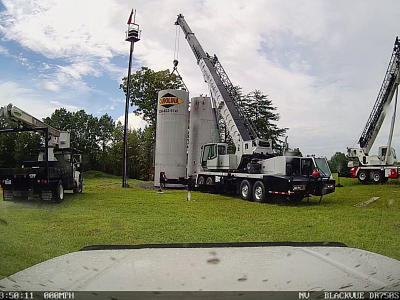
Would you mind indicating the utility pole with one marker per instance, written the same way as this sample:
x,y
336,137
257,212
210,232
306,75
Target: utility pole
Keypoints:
x,y
132,36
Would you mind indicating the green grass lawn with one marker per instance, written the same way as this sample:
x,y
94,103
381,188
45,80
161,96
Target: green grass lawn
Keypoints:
x,y
32,232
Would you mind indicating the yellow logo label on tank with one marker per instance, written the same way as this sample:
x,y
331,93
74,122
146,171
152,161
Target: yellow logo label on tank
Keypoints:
x,y
169,100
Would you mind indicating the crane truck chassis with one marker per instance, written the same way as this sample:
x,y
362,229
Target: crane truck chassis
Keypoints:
x,y
58,167
291,177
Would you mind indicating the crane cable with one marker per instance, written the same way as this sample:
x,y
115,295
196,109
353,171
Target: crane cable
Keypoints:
x,y
176,55
176,49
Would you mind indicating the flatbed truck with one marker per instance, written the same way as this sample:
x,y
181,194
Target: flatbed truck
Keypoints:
x,y
57,168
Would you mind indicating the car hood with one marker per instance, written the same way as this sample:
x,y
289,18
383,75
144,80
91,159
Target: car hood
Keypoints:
x,y
211,268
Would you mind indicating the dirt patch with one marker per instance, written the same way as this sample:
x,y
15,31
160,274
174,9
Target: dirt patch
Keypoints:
x,y
146,186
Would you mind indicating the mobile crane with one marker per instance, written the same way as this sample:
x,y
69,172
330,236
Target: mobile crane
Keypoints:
x,y
57,168
254,171
378,168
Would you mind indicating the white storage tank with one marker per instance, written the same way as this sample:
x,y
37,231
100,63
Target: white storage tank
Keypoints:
x,y
171,135
202,130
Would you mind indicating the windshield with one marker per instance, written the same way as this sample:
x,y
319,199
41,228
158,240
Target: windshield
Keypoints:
x,y
221,149
323,166
297,166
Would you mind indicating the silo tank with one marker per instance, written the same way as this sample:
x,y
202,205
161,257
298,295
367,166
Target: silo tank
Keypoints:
x,y
171,135
202,130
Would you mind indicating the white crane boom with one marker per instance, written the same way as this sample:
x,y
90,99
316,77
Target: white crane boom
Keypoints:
x,y
238,125
13,114
385,96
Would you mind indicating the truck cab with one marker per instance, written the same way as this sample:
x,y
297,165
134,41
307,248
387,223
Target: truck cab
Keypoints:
x,y
214,156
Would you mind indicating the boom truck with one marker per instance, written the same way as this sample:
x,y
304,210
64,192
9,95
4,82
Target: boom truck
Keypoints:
x,y
254,171
378,168
57,168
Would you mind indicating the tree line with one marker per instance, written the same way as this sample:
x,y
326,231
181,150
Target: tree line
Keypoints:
x,y
100,139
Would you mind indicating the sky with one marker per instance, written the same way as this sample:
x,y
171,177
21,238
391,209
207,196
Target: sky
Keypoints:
x,y
321,62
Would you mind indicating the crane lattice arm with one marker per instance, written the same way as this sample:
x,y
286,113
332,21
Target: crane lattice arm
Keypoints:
x,y
385,96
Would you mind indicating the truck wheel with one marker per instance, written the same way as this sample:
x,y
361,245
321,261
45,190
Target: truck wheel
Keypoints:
x,y
59,193
7,195
79,189
210,180
376,176
297,198
362,176
245,190
19,195
201,180
259,192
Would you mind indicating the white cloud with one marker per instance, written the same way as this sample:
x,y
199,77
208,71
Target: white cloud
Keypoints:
x,y
66,106
80,32
4,51
134,121
62,28
29,100
48,85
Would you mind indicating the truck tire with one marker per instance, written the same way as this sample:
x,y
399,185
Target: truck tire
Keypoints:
x,y
7,195
245,190
58,194
79,189
362,176
19,195
377,176
297,198
259,192
201,180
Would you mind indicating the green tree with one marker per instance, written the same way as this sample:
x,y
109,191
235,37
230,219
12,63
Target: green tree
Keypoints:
x,y
259,109
27,146
17,147
61,119
144,87
105,126
7,146
113,163
89,134
338,162
146,152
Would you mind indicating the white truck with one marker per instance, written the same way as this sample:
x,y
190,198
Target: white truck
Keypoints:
x,y
57,168
378,168
254,171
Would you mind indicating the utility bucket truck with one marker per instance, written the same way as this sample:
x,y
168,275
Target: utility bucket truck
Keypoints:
x,y
56,169
254,171
378,168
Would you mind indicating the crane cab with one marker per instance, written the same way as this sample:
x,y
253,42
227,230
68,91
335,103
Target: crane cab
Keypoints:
x,y
382,152
214,156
